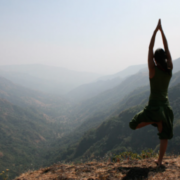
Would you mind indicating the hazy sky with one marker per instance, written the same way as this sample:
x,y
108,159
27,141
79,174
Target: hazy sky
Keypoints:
x,y
103,36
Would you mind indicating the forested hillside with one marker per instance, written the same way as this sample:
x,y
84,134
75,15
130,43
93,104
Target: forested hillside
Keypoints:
x,y
25,135
114,134
29,121
39,129
105,100
54,106
113,98
105,104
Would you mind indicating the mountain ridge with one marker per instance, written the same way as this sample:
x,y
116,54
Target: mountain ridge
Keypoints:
x,y
45,78
138,97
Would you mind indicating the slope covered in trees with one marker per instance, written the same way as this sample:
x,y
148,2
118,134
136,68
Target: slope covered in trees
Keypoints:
x,y
38,128
25,135
114,134
54,106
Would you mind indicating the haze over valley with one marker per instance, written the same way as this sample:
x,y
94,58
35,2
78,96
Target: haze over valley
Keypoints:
x,y
72,76
39,127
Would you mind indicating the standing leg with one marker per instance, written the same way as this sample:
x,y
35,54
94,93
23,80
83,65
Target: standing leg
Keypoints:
x,y
163,146
162,150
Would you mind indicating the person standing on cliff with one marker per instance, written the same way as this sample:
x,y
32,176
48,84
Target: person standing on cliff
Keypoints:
x,y
158,111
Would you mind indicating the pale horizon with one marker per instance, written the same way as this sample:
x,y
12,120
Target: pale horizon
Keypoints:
x,y
99,36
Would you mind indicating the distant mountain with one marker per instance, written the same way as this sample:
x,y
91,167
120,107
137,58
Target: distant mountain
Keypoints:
x,y
46,78
24,97
126,72
176,65
141,67
105,100
87,91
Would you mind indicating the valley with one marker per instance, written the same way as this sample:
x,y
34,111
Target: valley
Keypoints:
x,y
40,127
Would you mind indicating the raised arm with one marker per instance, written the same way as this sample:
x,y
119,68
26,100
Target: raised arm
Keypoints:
x,y
169,59
151,64
150,53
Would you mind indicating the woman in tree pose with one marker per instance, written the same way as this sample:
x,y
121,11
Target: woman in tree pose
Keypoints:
x,y
158,111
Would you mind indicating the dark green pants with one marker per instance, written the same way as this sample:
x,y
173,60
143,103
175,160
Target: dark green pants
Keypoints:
x,y
156,111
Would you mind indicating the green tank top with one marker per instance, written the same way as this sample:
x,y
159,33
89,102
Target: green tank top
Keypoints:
x,y
159,84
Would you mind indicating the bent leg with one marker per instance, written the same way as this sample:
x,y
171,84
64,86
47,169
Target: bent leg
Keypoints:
x,y
144,118
159,125
142,124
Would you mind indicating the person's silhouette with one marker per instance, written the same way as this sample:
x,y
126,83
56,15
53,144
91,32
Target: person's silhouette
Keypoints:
x,y
158,111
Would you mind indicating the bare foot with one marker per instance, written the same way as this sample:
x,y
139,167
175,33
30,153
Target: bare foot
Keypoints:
x,y
158,163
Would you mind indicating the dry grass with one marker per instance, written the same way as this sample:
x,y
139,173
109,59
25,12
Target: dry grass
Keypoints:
x,y
126,170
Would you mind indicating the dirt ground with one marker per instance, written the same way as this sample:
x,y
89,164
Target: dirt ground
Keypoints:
x,y
126,170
